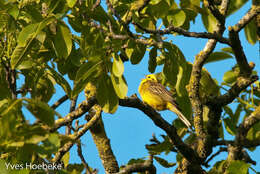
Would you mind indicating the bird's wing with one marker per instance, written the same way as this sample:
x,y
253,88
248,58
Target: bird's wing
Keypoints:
x,y
159,89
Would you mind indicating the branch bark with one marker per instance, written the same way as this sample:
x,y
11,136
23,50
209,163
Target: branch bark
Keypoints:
x,y
84,107
59,102
102,142
140,167
171,131
74,137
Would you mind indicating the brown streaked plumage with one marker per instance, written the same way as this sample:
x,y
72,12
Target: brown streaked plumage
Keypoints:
x,y
158,97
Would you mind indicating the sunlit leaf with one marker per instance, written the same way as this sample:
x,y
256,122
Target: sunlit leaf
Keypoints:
x,y
164,162
235,167
63,41
235,5
60,80
209,21
251,32
176,17
118,66
41,110
230,126
230,77
71,3
218,56
120,86
106,95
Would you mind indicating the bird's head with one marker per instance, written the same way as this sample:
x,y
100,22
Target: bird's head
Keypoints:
x,y
150,77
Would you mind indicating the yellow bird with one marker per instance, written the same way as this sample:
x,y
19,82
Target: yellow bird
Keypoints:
x,y
158,97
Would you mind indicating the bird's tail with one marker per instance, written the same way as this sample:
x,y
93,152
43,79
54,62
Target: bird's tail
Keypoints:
x,y
175,109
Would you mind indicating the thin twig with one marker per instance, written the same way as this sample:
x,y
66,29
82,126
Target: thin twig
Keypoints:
x,y
171,131
59,102
186,33
64,149
79,150
72,108
254,11
84,107
221,149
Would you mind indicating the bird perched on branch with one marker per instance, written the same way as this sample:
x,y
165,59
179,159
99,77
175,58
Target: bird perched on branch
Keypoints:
x,y
158,97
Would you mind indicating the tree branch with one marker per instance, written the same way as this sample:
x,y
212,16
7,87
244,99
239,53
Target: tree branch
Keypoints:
x,y
59,102
241,84
79,151
253,12
139,167
204,143
72,108
171,131
221,149
186,33
65,148
224,7
245,69
213,9
84,107
102,142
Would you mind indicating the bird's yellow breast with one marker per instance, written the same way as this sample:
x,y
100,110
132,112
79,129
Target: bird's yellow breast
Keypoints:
x,y
155,101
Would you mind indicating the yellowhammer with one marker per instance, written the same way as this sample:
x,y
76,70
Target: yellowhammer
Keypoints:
x,y
158,97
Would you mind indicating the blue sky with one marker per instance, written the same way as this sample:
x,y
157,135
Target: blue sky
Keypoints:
x,y
129,129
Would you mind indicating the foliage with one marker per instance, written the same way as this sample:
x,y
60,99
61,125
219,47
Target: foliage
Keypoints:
x,y
52,43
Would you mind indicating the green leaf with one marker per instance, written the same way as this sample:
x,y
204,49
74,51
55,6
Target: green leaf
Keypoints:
x,y
27,64
254,132
75,168
71,3
164,162
235,5
218,56
85,73
65,159
14,11
176,17
160,147
63,41
136,161
120,86
218,168
26,34
230,126
41,110
159,10
12,106
229,111
87,69
251,32
155,2
230,77
209,21
106,95
118,66
152,60
19,54
236,167
3,168
60,80
228,49
25,41
135,52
